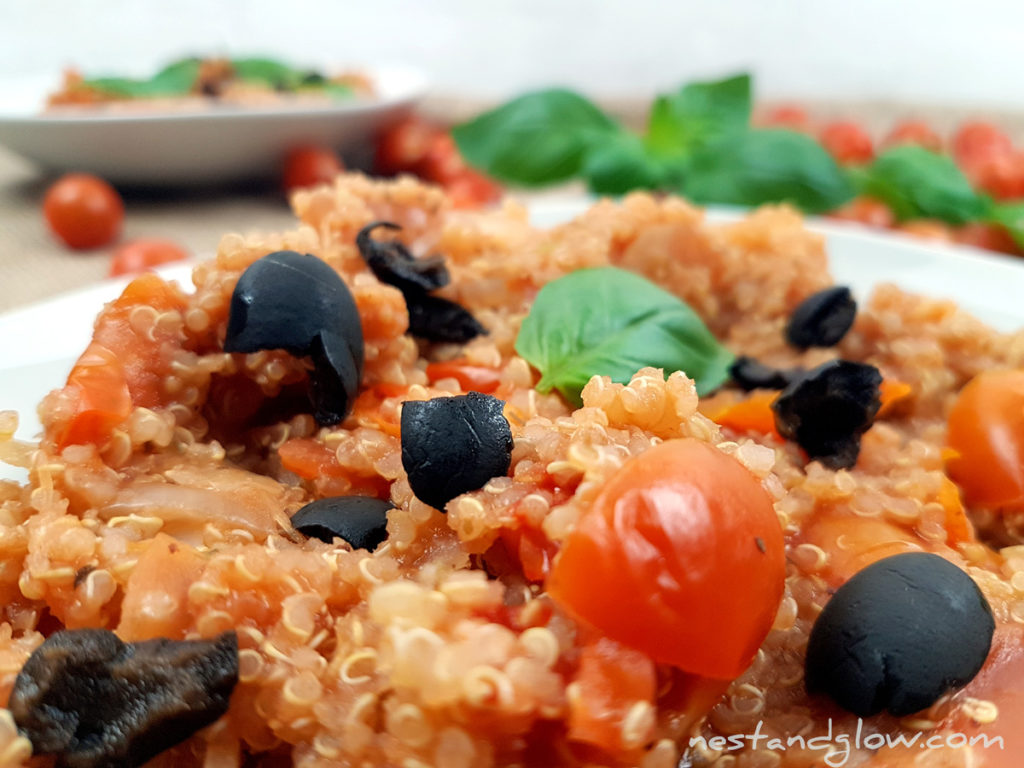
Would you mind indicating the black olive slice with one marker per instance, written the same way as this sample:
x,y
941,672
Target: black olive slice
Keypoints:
x,y
362,521
392,263
334,381
452,445
283,300
748,373
826,410
436,319
94,701
898,635
822,319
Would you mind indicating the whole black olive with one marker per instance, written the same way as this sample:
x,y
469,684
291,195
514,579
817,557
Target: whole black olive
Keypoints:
x,y
898,635
749,373
452,445
298,303
392,263
822,319
94,701
283,300
827,410
362,521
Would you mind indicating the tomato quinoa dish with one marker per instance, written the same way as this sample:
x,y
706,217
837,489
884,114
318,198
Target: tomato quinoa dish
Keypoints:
x,y
413,486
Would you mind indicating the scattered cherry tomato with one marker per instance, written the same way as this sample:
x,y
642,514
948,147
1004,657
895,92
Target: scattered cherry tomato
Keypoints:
x,y
680,557
310,165
442,162
986,430
471,189
977,141
1002,175
140,255
83,211
847,142
866,210
786,116
913,132
403,146
928,229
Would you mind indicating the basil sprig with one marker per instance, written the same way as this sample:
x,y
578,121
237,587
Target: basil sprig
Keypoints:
x,y
698,142
176,79
606,321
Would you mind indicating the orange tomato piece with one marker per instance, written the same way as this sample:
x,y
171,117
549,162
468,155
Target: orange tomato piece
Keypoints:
x,y
680,557
986,432
610,680
472,378
309,459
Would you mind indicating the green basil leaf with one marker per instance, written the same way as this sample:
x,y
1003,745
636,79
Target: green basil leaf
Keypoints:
x,y
620,164
335,90
767,166
176,79
268,72
606,321
698,113
1010,216
538,138
918,183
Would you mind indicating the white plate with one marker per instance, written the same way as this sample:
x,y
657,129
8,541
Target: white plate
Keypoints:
x,y
39,344
197,146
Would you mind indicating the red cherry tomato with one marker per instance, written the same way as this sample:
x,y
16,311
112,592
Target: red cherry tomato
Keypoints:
x,y
681,557
986,430
471,189
310,165
787,116
83,211
976,141
991,237
1002,175
401,148
140,255
847,142
913,132
866,210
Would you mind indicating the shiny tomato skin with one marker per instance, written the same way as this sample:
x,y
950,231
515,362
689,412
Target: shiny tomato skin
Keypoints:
x,y
847,142
309,166
680,557
403,146
140,255
986,430
83,211
913,132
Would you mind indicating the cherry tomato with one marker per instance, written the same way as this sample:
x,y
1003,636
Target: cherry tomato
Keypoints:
x,y
401,148
913,132
986,430
1002,176
83,211
928,229
310,165
976,141
787,116
847,142
140,255
680,557
866,210
471,189
472,378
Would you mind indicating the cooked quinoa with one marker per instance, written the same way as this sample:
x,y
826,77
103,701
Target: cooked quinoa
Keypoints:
x,y
442,647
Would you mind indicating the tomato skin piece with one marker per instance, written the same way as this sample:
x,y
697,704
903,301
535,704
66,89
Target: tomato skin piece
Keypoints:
x,y
140,255
681,557
310,165
83,211
986,431
472,378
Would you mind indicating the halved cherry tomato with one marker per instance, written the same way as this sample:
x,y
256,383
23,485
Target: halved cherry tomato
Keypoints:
x,y
986,431
847,142
680,557
471,189
140,255
83,211
866,210
309,166
976,141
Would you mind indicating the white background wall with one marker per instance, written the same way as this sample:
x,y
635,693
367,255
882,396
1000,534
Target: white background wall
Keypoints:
x,y
933,51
